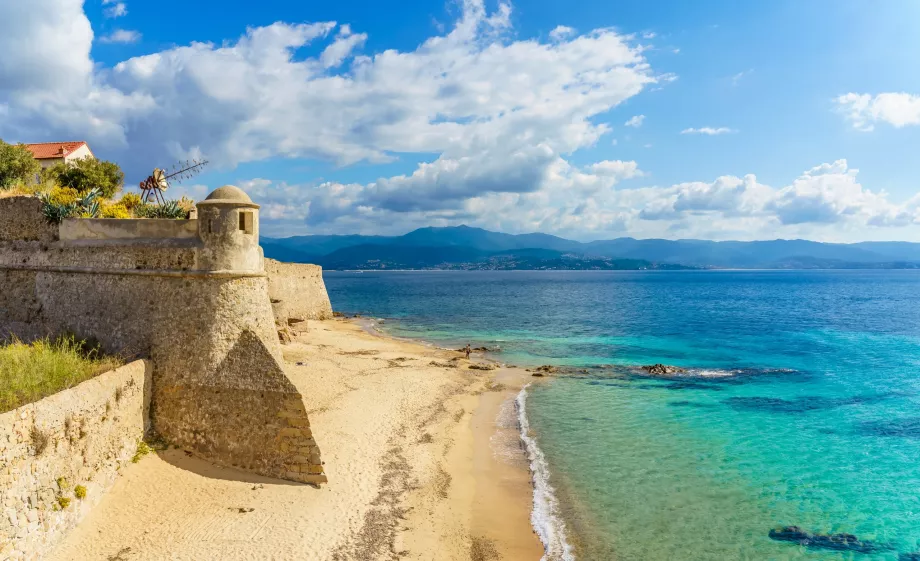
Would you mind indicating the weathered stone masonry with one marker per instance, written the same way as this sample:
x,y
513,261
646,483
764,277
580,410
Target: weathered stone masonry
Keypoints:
x,y
193,296
60,455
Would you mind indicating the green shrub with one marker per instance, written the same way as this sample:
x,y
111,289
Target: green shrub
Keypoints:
x,y
63,502
59,204
17,165
169,209
108,209
131,200
79,492
86,174
186,204
29,372
63,195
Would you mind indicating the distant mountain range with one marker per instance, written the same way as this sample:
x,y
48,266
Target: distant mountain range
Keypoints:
x,y
463,247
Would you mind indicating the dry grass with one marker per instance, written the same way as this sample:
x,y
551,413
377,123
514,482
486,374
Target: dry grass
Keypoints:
x,y
29,372
26,189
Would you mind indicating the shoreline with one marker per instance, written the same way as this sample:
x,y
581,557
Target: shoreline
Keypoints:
x,y
422,459
500,428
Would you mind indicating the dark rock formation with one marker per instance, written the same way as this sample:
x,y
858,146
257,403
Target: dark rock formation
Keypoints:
x,y
442,364
837,542
482,366
663,370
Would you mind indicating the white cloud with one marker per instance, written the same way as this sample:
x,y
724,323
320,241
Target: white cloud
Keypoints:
x,y
825,195
635,121
121,36
561,32
502,117
825,203
470,96
649,35
737,77
51,40
344,44
709,131
896,109
116,10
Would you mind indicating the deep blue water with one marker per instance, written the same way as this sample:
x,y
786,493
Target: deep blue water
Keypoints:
x,y
800,408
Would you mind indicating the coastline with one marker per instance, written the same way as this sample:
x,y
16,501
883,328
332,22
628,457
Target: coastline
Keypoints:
x,y
421,459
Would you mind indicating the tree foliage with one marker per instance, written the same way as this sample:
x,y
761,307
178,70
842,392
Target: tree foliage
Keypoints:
x,y
86,174
17,165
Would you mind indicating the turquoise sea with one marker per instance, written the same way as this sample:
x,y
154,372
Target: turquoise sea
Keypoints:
x,y
801,405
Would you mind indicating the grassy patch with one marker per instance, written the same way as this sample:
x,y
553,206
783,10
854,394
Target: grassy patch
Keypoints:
x,y
142,450
29,372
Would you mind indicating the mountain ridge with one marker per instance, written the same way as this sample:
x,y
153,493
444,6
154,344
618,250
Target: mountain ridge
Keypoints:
x,y
476,248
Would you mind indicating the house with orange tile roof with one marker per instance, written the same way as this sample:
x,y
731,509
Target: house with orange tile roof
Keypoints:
x,y
50,153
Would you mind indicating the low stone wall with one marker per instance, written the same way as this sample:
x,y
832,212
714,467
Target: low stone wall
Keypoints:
x,y
127,229
81,437
297,291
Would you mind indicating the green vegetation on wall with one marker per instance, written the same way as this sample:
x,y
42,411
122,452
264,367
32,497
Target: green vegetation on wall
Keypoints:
x,y
17,166
87,174
84,188
29,372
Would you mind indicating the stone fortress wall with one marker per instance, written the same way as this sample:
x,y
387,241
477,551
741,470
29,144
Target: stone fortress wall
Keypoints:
x,y
193,296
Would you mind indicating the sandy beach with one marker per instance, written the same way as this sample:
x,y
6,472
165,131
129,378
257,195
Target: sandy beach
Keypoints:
x,y
422,455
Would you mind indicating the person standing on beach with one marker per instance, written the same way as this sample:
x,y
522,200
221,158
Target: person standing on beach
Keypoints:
x,y
467,350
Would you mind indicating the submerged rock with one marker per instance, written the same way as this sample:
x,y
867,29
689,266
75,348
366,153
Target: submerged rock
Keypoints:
x,y
837,542
663,370
541,371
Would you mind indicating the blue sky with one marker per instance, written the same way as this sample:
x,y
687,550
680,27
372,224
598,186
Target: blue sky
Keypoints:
x,y
378,117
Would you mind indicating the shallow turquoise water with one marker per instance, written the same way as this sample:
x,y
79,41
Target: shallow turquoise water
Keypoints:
x,y
802,407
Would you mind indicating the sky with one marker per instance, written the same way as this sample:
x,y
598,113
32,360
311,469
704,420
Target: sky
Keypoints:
x,y
586,119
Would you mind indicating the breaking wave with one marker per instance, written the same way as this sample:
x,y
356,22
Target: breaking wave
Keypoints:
x,y
545,517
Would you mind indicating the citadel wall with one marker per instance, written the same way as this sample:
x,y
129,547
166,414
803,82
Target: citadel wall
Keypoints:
x,y
297,292
197,305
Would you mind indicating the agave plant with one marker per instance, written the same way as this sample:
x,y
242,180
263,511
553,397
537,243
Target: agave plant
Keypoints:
x,y
171,209
55,212
86,206
90,204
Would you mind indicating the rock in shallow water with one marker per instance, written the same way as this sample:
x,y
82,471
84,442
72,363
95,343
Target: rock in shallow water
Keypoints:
x,y
663,369
837,542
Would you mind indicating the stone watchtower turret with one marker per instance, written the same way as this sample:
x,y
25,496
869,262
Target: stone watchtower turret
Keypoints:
x,y
228,226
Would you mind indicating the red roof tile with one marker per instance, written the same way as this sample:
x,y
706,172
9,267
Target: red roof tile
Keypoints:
x,y
46,150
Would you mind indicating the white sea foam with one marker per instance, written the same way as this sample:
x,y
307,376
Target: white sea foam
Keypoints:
x,y
715,373
545,517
